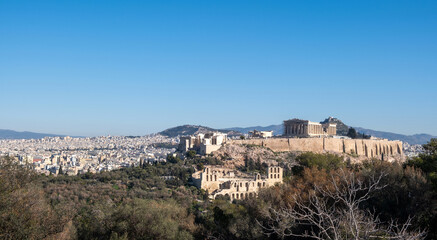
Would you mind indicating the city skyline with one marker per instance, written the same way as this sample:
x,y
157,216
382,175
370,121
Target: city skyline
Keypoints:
x,y
117,68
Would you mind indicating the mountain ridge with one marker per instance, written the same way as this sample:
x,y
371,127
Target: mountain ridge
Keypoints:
x,y
12,134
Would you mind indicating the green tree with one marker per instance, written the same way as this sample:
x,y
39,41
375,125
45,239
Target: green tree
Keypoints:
x,y
24,211
191,154
173,159
352,133
325,161
431,146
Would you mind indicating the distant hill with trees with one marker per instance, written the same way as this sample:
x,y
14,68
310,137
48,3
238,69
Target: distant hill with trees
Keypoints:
x,y
186,130
342,129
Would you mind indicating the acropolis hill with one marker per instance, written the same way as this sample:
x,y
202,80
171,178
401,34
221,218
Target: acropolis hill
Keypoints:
x,y
302,136
306,136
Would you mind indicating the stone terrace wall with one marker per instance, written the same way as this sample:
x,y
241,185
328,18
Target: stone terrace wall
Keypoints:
x,y
361,147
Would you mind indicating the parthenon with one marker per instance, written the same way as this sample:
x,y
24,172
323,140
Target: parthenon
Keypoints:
x,y
304,128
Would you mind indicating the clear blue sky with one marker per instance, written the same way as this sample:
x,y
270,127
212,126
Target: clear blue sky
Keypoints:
x,y
137,67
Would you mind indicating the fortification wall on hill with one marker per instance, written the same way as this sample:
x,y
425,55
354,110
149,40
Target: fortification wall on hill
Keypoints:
x,y
361,147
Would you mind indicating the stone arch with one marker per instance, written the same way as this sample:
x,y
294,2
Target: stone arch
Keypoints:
x,y
215,177
233,196
391,150
399,149
242,195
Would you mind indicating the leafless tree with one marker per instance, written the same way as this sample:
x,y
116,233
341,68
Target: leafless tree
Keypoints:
x,y
333,212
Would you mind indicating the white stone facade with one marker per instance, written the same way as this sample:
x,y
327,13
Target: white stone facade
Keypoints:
x,y
203,143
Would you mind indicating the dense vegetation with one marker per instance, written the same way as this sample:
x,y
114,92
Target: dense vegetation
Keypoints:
x,y
322,197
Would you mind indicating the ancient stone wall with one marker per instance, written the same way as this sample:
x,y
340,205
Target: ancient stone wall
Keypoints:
x,y
361,147
233,184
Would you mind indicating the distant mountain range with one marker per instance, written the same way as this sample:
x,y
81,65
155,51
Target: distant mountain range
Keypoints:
x,y
411,139
279,129
10,134
235,131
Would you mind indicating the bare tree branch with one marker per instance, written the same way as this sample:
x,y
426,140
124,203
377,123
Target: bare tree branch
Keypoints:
x,y
333,212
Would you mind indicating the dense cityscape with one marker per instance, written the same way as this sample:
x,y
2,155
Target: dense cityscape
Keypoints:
x,y
72,156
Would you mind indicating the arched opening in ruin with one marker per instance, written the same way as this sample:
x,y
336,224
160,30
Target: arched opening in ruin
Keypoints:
x,y
391,150
233,196
215,177
242,195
